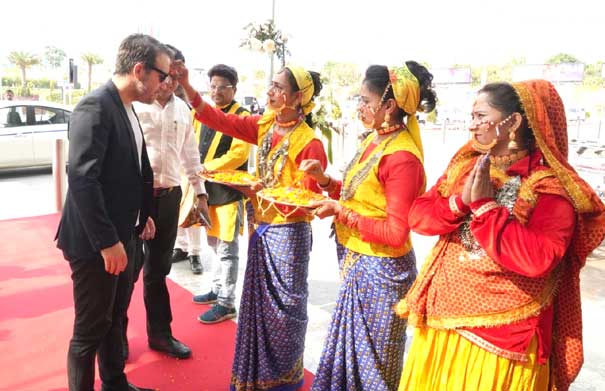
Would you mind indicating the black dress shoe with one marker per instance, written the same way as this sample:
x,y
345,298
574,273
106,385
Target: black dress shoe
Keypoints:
x,y
178,255
196,264
132,387
170,346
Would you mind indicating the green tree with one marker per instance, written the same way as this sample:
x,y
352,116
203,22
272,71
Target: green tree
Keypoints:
x,y
494,73
341,74
54,56
23,60
91,59
593,78
562,58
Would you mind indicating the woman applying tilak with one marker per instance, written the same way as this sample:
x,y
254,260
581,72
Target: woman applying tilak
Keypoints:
x,y
273,312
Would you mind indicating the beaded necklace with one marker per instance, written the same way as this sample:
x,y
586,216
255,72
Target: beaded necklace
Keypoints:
x,y
350,186
266,164
289,123
389,129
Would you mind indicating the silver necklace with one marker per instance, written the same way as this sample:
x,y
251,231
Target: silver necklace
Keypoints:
x,y
266,164
350,185
505,196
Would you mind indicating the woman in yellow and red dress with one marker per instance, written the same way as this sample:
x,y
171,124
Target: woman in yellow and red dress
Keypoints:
x,y
273,312
497,302
365,345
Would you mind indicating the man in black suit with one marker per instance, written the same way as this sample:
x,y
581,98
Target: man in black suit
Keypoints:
x,y
107,205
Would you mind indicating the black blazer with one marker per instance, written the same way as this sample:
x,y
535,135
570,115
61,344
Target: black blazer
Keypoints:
x,y
107,189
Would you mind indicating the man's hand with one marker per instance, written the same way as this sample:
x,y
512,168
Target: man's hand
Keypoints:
x,y
115,258
149,230
202,206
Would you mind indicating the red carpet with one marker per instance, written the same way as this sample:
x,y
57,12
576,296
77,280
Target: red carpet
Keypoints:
x,y
37,317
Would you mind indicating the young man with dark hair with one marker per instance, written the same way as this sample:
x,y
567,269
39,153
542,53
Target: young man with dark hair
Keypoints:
x,y
220,152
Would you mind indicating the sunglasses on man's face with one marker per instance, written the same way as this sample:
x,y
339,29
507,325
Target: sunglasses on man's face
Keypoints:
x,y
163,75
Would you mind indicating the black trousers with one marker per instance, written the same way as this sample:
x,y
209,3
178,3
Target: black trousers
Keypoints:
x,y
153,256
100,301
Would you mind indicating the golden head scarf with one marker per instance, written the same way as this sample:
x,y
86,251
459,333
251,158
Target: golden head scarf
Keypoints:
x,y
546,117
305,85
407,95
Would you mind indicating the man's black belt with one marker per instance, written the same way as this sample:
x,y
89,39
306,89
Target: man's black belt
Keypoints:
x,y
159,192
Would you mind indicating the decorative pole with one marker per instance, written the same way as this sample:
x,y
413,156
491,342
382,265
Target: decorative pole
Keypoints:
x,y
272,56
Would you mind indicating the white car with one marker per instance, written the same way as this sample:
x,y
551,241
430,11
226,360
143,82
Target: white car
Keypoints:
x,y
28,130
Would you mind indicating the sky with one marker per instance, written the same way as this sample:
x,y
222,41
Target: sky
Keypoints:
x,y
442,33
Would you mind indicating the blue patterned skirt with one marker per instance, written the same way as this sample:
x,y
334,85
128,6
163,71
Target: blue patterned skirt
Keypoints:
x,y
364,348
272,321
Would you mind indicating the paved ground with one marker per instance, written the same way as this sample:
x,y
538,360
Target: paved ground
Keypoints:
x,y
29,193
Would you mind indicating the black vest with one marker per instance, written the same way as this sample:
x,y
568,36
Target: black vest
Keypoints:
x,y
219,194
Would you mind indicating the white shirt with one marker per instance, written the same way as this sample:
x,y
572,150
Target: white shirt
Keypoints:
x,y
136,131
138,139
170,141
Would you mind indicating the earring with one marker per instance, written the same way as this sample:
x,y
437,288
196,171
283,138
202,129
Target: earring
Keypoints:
x,y
512,143
385,123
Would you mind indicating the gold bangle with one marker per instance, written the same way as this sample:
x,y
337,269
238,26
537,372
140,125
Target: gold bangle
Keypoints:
x,y
485,208
324,187
454,206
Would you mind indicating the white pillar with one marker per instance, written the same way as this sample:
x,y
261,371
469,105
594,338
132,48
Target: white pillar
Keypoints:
x,y
59,174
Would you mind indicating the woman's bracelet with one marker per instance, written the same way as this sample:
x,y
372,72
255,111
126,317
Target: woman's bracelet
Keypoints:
x,y
348,217
483,209
325,187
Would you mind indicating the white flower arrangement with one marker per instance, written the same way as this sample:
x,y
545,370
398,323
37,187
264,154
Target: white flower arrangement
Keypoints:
x,y
266,38
269,46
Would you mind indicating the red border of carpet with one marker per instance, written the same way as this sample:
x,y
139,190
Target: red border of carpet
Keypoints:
x,y
37,318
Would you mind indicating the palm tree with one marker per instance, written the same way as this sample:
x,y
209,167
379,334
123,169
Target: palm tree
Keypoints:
x,y
23,60
91,59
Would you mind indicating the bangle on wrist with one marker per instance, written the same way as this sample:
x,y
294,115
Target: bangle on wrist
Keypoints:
x,y
490,205
454,206
327,184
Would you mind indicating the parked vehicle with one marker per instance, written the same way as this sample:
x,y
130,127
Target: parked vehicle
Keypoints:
x,y
28,130
251,103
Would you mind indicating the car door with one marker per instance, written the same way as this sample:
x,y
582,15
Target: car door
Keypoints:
x,y
49,125
16,141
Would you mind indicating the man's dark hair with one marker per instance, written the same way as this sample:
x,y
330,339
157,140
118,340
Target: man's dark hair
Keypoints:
x,y
225,71
177,54
138,48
